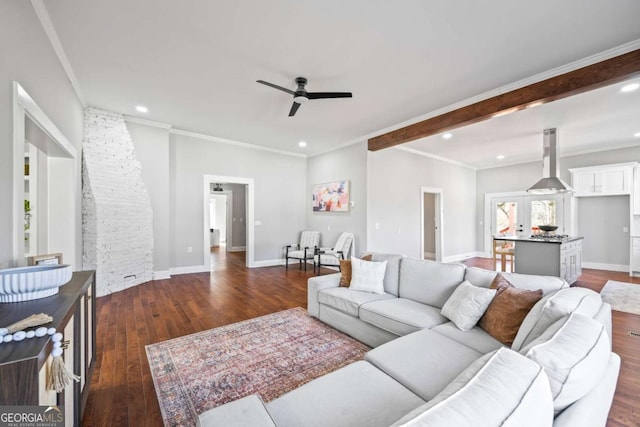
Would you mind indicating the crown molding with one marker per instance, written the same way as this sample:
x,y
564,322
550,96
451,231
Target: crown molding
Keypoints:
x,y
434,156
232,142
138,120
49,29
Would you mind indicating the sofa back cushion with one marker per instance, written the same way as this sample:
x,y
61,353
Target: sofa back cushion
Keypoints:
x,y
392,273
429,282
553,307
548,284
574,353
501,388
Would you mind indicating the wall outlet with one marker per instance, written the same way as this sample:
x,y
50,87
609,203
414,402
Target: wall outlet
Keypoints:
x,y
625,229
328,228
189,249
377,226
257,223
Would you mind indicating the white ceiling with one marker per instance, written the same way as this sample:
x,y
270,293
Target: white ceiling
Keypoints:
x,y
194,64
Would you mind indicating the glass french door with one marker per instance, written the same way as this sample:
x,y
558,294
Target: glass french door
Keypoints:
x,y
521,215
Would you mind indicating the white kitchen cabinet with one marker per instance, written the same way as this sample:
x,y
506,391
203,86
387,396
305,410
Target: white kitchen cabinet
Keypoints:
x,y
604,180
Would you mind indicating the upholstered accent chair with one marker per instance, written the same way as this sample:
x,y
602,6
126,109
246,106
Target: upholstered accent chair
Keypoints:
x,y
331,256
303,251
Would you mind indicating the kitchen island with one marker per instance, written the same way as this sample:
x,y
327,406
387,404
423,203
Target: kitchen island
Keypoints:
x,y
552,256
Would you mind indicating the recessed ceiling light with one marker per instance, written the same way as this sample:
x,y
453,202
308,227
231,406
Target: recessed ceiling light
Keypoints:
x,y
500,156
142,109
302,144
637,134
447,135
630,87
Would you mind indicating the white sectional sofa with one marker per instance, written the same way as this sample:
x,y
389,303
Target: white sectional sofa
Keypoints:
x,y
423,370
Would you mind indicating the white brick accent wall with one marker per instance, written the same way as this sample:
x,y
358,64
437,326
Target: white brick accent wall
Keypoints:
x,y
117,219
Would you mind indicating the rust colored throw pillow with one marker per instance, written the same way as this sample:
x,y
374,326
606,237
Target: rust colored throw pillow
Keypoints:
x,y
507,310
345,269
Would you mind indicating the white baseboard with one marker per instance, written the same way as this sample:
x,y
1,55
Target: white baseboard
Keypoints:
x,y
161,275
601,266
189,269
237,249
461,257
268,263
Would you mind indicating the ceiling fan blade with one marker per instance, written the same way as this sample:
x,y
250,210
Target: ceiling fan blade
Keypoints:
x,y
294,108
324,95
289,91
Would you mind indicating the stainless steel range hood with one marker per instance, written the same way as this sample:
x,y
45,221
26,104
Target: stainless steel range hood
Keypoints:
x,y
550,183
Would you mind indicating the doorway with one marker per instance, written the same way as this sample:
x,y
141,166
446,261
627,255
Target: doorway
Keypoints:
x,y
520,214
233,198
431,225
219,213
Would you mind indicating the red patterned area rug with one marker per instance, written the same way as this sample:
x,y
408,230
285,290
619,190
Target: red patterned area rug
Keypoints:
x,y
268,355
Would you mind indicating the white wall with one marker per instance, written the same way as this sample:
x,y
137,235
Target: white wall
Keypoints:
x,y
152,150
349,163
27,57
394,199
279,195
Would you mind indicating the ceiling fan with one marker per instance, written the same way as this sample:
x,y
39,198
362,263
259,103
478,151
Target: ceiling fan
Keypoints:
x,y
300,95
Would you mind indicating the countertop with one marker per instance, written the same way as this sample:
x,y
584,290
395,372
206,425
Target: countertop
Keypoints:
x,y
529,239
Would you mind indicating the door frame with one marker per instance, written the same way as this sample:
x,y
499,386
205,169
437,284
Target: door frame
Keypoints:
x,y
567,219
57,146
439,215
250,207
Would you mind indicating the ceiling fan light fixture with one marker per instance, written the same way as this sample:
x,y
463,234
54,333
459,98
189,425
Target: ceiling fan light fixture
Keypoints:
x,y
300,99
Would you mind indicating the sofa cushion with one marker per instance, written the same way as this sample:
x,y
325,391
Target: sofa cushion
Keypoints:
x,y
574,353
467,304
552,308
248,411
508,309
424,361
358,394
476,338
532,282
345,270
348,301
500,389
400,316
479,276
429,282
367,276
392,274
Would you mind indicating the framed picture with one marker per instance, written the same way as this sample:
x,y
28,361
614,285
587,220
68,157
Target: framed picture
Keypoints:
x,y
331,197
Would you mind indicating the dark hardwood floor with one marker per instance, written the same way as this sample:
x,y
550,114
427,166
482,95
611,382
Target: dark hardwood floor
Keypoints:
x,y
122,391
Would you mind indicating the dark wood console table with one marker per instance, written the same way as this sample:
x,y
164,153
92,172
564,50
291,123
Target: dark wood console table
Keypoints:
x,y
24,365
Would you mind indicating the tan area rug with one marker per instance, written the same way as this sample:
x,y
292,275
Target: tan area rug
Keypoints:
x,y
622,296
268,355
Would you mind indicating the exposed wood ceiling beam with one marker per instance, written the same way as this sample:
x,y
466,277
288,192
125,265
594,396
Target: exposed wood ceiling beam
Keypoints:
x,y
574,82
